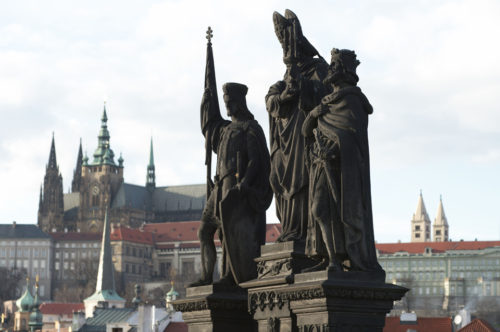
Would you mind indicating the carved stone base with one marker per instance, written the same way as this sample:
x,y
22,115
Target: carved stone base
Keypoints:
x,y
287,300
216,308
279,262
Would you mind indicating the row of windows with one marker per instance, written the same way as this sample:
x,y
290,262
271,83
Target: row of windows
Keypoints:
x,y
133,268
463,263
22,263
137,252
418,228
71,265
83,254
78,245
24,243
23,252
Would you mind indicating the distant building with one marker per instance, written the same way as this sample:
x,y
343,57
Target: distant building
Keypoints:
x,y
132,255
75,256
443,276
421,224
26,247
177,246
410,322
98,184
477,325
58,317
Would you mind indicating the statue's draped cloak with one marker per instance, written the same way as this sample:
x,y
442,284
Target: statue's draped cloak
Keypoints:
x,y
289,160
242,158
346,123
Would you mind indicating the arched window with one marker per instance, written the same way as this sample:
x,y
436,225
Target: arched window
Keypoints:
x,y
95,200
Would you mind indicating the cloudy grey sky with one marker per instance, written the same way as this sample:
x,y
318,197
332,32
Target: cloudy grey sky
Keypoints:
x,y
431,70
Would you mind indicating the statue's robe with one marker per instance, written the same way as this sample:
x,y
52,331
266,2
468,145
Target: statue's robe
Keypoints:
x,y
242,158
289,159
341,166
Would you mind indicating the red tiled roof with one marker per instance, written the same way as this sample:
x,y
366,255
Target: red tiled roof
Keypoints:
x,y
424,324
75,236
174,231
176,327
477,325
61,308
122,233
419,247
273,231
187,231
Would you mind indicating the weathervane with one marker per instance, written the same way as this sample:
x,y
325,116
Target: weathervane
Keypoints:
x,y
210,35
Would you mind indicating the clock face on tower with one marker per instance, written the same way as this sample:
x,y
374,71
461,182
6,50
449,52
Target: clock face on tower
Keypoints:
x,y
95,190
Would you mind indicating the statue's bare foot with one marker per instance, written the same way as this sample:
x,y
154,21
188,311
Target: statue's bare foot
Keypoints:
x,y
201,282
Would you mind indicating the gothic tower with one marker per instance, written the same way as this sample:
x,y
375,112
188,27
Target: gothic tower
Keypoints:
x,y
420,223
77,173
150,177
51,204
100,182
440,226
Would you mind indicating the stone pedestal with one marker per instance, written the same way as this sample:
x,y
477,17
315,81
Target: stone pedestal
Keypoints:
x,y
279,262
216,308
286,300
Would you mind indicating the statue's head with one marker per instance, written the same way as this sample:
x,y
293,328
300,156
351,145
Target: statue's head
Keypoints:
x,y
295,46
235,100
342,67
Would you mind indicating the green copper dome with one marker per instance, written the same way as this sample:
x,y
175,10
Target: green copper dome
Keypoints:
x,y
25,302
172,293
103,155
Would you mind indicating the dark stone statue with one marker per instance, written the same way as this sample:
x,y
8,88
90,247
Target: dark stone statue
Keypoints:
x,y
339,189
241,194
288,102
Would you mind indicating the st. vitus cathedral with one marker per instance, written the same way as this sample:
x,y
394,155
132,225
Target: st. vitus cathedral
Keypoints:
x,y
98,185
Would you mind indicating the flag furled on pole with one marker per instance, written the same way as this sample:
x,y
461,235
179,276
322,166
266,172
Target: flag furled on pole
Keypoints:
x,y
210,103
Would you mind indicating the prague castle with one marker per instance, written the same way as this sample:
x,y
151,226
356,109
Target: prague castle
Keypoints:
x,y
98,185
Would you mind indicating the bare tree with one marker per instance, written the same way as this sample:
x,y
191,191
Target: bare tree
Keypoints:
x,y
9,282
80,284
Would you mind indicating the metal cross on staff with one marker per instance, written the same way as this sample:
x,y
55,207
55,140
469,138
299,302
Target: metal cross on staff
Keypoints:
x,y
210,35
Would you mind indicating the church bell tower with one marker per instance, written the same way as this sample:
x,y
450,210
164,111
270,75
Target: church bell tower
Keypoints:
x,y
100,181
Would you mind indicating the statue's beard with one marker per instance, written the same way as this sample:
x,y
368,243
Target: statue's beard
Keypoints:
x,y
333,77
337,76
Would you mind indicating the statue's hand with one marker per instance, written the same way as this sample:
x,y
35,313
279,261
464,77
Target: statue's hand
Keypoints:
x,y
290,93
319,110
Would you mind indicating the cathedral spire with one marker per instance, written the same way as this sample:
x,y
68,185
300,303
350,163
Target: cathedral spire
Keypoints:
x,y
105,287
420,223
440,226
103,154
440,217
52,156
421,211
105,274
40,200
151,177
51,204
77,175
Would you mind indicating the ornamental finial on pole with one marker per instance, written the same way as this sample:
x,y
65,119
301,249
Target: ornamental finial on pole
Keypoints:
x,y
210,35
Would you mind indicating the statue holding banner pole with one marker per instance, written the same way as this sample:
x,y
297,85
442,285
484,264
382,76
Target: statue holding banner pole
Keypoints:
x,y
240,193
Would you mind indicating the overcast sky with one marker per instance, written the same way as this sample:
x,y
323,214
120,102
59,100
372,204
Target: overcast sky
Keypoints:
x,y
431,70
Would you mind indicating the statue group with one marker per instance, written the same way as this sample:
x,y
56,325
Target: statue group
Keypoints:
x,y
317,165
